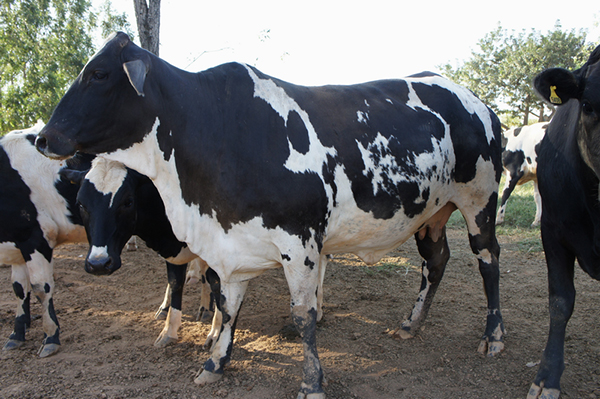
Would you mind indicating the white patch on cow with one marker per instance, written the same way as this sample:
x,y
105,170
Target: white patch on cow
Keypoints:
x,y
283,104
389,101
468,100
98,252
107,177
362,117
40,174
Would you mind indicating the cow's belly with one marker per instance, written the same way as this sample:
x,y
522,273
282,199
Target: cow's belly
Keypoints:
x,y
369,238
10,254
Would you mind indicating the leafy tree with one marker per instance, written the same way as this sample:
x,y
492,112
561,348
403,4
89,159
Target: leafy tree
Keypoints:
x,y
113,22
502,70
43,46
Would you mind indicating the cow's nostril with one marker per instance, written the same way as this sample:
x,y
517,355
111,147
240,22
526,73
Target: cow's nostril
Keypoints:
x,y
41,143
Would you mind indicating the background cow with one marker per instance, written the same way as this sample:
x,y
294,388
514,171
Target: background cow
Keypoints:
x,y
519,160
256,173
116,203
568,176
37,213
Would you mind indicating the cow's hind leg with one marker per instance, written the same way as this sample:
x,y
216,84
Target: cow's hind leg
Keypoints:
x,y
436,255
482,237
229,303
22,289
176,277
42,285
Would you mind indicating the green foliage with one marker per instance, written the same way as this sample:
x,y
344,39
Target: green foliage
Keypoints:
x,y
502,70
113,22
43,46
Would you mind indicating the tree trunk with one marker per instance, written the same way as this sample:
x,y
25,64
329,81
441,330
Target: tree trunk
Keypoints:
x,y
526,117
147,16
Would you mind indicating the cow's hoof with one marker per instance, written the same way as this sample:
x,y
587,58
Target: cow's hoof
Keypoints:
x,y
161,314
490,348
302,395
537,392
48,350
163,341
12,344
206,377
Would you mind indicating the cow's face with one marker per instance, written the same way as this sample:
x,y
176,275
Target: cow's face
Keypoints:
x,y
108,211
96,114
558,86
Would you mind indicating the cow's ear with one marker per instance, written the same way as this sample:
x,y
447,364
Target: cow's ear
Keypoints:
x,y
136,71
72,175
557,85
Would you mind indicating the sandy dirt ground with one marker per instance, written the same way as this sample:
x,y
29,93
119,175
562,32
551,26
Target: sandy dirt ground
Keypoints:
x,y
108,329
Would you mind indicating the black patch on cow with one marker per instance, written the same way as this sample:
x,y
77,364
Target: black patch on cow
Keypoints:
x,y
529,160
46,288
286,257
309,263
18,290
297,133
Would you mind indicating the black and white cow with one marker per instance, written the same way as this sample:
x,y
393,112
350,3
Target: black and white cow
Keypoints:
x,y
37,213
256,173
116,203
568,176
519,160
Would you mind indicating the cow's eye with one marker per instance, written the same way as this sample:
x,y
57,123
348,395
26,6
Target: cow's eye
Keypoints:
x,y
587,108
128,203
99,75
82,210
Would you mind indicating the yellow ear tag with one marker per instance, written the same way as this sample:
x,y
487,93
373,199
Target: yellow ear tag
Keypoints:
x,y
554,99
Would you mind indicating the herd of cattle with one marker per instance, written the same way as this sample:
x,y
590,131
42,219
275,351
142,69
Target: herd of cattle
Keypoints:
x,y
236,172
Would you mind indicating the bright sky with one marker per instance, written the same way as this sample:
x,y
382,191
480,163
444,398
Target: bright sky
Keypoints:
x,y
314,42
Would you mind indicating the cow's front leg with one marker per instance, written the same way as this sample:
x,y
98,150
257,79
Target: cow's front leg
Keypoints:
x,y
42,286
436,255
304,281
229,303
22,289
176,278
561,289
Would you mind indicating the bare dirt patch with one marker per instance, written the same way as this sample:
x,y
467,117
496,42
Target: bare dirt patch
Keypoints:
x,y
108,330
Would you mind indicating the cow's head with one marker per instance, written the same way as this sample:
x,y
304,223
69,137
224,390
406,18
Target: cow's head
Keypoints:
x,y
102,110
107,203
557,86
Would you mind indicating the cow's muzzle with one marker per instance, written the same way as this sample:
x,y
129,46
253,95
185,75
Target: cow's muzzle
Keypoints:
x,y
54,145
101,266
